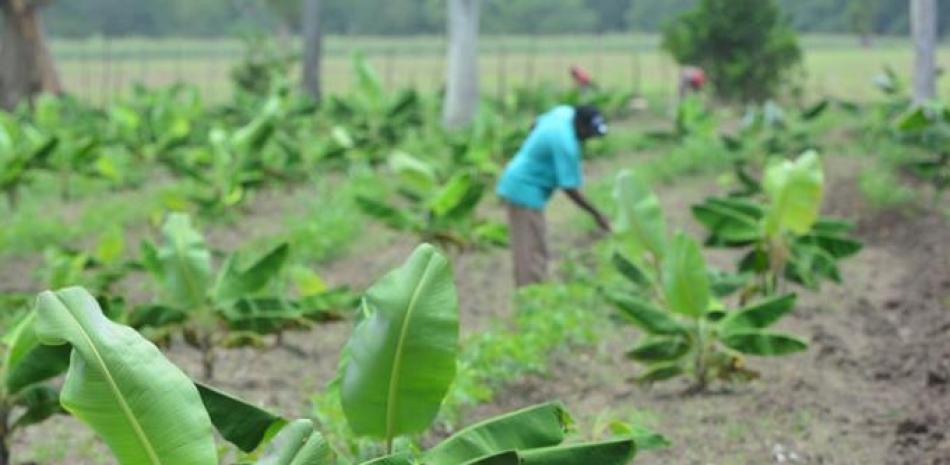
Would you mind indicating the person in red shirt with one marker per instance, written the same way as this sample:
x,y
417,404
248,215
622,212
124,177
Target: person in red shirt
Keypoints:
x,y
692,80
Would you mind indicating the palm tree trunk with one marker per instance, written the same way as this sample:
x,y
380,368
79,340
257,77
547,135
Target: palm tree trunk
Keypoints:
x,y
461,92
313,48
923,25
26,66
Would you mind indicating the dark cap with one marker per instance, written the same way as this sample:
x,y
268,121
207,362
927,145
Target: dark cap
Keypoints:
x,y
590,118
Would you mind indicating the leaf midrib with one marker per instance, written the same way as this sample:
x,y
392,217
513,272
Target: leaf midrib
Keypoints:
x,y
124,406
397,360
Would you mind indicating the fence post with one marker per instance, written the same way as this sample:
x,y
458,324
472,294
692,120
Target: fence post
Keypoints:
x,y
502,70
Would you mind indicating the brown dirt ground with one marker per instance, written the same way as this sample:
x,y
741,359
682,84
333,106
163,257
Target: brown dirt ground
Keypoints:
x,y
873,389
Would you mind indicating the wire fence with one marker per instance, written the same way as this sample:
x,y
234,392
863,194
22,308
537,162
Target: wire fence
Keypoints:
x,y
102,69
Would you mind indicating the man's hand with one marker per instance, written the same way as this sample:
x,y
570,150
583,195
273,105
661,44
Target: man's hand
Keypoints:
x,y
581,201
603,222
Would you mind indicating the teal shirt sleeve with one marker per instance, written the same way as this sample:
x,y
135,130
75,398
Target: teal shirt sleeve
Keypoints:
x,y
567,161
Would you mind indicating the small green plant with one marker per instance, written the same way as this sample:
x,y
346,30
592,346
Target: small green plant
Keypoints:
x,y
928,127
23,150
673,301
231,307
785,236
437,208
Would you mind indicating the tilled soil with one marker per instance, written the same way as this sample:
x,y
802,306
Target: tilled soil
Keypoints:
x,y
874,388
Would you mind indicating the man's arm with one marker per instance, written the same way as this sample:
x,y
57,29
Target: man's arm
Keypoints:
x,y
581,201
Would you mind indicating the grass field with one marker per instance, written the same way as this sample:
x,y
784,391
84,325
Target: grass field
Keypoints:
x,y
99,69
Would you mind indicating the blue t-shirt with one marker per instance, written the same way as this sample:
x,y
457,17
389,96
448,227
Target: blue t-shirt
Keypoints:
x,y
549,159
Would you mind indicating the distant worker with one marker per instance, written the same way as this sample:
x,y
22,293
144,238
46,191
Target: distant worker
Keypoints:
x,y
548,160
581,79
692,81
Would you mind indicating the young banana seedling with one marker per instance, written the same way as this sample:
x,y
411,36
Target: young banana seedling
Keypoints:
x,y
235,306
688,330
438,209
784,236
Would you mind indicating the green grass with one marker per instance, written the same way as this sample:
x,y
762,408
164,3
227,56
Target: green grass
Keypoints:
x,y
98,69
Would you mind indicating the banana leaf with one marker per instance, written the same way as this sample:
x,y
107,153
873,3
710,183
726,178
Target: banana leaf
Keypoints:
x,y
144,408
402,355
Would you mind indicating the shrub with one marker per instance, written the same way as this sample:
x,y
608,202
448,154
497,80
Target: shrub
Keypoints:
x,y
745,46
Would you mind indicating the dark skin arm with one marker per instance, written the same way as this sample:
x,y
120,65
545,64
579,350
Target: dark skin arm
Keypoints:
x,y
581,201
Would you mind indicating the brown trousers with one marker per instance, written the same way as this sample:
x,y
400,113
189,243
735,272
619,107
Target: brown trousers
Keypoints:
x,y
529,247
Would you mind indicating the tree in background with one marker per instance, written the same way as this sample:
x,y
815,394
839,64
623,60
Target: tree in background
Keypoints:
x,y
923,24
746,47
312,48
861,14
26,66
461,90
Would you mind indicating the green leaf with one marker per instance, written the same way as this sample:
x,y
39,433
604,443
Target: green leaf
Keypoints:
x,y
660,372
40,402
236,281
724,284
536,426
298,444
402,355
262,315
143,406
639,217
660,349
646,315
185,263
239,422
154,316
612,452
401,458
27,362
763,343
417,175
504,458
391,216
629,270
795,191
728,221
686,284
758,315
458,197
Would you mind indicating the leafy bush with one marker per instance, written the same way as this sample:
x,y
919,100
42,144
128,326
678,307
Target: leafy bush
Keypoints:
x,y
746,46
674,300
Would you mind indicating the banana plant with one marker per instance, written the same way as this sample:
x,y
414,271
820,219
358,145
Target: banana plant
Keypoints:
x,y
670,297
230,307
143,407
401,359
369,121
100,269
26,395
398,365
24,149
785,237
436,208
928,127
76,129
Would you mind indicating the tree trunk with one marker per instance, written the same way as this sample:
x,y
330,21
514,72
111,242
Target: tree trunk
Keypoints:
x,y
313,48
26,66
461,93
923,23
